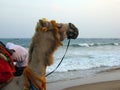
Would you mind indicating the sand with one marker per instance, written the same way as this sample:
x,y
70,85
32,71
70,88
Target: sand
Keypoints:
x,y
111,85
108,80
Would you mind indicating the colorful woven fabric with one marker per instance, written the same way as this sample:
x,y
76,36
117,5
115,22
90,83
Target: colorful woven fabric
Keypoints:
x,y
6,66
32,80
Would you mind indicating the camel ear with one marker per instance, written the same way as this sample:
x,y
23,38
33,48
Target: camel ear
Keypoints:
x,y
42,23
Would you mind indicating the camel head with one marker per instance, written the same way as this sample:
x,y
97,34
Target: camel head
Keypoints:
x,y
63,30
49,36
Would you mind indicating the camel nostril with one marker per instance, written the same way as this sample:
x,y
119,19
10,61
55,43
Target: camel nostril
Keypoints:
x,y
73,31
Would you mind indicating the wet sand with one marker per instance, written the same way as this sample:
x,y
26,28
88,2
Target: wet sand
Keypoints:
x,y
108,80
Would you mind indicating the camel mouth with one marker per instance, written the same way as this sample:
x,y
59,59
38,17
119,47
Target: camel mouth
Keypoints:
x,y
73,31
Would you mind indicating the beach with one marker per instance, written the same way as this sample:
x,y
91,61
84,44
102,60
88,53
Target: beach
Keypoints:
x,y
105,80
90,64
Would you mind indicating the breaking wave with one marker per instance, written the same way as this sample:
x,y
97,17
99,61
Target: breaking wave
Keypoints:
x,y
94,44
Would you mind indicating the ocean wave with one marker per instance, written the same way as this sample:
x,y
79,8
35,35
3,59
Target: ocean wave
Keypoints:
x,y
102,68
94,44
110,69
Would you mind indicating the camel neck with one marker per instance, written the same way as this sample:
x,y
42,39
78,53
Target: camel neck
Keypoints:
x,y
38,66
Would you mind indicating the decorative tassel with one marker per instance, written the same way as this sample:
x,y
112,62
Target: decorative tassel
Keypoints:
x,y
44,19
44,29
56,31
34,78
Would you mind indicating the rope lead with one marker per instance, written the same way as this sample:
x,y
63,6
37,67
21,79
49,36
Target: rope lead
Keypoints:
x,y
60,61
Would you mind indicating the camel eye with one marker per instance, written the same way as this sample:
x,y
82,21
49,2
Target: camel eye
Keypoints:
x,y
59,26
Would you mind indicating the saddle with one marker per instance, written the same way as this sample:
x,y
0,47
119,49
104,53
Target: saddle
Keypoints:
x,y
6,66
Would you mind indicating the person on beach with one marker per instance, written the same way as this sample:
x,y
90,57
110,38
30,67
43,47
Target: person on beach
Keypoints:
x,y
20,56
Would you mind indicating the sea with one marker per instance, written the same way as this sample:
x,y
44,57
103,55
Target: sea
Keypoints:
x,y
85,57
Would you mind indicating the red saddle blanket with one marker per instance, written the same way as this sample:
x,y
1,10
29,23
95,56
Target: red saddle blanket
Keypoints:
x,y
6,72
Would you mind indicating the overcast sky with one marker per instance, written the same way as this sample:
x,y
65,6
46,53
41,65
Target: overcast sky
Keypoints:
x,y
94,18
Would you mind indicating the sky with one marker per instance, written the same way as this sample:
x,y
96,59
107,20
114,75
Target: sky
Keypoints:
x,y
93,18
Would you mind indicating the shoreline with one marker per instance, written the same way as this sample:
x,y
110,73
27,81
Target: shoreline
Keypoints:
x,y
103,79
109,85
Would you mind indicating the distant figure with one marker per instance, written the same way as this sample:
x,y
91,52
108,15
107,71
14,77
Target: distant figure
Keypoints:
x,y
20,56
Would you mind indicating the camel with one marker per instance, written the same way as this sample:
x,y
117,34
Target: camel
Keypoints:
x,y
47,38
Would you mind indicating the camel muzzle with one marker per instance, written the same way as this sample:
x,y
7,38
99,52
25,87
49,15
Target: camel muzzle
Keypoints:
x,y
73,32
